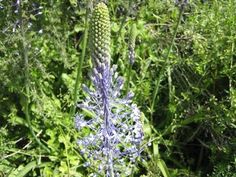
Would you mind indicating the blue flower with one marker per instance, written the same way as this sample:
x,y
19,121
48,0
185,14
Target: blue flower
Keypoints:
x,y
110,126
113,123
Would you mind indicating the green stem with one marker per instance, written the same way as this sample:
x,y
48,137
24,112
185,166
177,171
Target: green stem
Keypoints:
x,y
166,63
122,25
124,19
80,64
66,151
231,79
131,54
128,78
27,81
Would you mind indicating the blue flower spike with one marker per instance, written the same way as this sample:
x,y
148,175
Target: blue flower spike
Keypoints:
x,y
110,124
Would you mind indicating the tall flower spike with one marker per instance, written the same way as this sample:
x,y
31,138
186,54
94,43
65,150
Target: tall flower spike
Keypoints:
x,y
100,35
111,123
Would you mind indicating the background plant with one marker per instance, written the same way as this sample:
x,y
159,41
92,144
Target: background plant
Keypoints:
x,y
193,135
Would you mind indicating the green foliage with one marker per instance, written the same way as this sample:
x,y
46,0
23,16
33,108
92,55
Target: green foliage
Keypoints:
x,y
192,128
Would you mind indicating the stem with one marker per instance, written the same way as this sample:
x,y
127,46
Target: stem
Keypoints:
x,y
107,122
231,80
80,64
104,83
122,25
166,63
27,81
110,170
128,77
131,53
66,149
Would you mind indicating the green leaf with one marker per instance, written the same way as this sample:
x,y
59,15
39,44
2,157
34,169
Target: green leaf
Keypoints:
x,y
73,3
160,163
32,17
162,166
78,28
22,171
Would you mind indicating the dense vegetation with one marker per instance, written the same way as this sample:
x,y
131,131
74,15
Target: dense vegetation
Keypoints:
x,y
183,78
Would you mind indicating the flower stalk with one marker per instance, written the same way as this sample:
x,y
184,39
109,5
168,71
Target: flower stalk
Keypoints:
x,y
27,76
113,123
80,64
166,66
131,53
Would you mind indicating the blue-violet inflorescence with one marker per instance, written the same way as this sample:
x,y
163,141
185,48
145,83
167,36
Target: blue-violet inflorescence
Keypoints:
x,y
110,126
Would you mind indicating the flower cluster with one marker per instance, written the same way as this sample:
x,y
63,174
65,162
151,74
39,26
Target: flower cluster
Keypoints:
x,y
100,35
114,130
110,122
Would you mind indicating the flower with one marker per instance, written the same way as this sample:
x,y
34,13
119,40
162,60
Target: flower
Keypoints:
x,y
110,125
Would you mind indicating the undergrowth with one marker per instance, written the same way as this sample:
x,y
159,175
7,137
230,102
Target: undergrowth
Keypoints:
x,y
183,78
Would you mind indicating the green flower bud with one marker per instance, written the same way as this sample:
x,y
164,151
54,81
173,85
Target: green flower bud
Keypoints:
x,y
100,34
